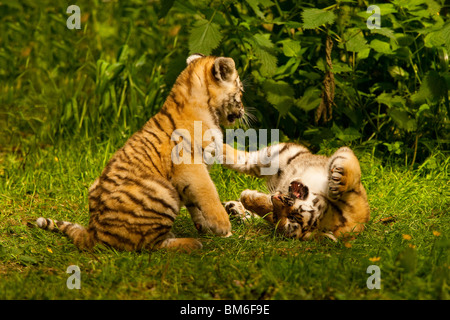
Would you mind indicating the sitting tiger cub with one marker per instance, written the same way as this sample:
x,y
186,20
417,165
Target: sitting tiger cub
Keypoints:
x,y
134,202
312,195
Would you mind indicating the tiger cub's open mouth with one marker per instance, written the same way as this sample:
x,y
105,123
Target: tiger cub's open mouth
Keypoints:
x,y
233,116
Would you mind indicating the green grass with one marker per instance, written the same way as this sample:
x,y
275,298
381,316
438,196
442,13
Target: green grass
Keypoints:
x,y
255,263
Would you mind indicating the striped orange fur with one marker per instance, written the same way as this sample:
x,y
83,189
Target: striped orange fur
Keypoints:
x,y
136,199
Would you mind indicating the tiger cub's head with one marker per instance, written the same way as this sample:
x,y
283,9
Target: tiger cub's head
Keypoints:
x,y
297,213
218,79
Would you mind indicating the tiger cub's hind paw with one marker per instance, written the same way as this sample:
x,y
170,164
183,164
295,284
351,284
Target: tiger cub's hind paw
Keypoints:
x,y
337,183
236,210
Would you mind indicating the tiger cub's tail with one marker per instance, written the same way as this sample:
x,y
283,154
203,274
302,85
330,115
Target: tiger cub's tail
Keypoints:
x,y
80,236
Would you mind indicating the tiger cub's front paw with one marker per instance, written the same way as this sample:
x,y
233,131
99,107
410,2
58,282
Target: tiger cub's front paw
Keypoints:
x,y
235,209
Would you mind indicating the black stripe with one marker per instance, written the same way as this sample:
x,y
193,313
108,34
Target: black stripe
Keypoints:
x,y
119,177
125,154
131,197
169,116
151,160
339,211
120,168
255,171
174,194
143,206
354,191
157,241
147,143
189,85
295,156
108,179
68,227
106,209
192,205
118,199
148,195
311,218
109,165
345,203
154,135
159,126
92,190
117,222
285,147
98,196
163,214
116,236
179,105
142,163
279,173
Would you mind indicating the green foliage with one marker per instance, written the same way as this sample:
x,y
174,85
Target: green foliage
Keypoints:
x,y
205,36
392,83
105,80
315,18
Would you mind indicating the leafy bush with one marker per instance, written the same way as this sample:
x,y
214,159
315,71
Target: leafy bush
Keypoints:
x,y
390,84
314,70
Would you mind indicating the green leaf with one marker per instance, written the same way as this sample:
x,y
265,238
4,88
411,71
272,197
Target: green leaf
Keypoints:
x,y
262,47
438,38
280,94
433,88
255,4
381,46
403,119
291,48
288,68
113,70
310,100
339,67
390,100
398,73
434,39
354,41
424,111
404,40
123,53
314,18
346,135
385,32
385,9
263,40
204,37
395,147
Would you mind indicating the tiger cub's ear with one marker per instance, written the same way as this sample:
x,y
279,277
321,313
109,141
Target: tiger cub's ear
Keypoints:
x,y
194,57
224,69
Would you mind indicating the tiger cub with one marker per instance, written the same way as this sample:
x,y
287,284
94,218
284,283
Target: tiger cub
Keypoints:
x,y
134,202
311,195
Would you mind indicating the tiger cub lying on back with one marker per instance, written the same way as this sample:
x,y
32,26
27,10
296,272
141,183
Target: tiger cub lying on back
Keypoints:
x,y
134,202
311,195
